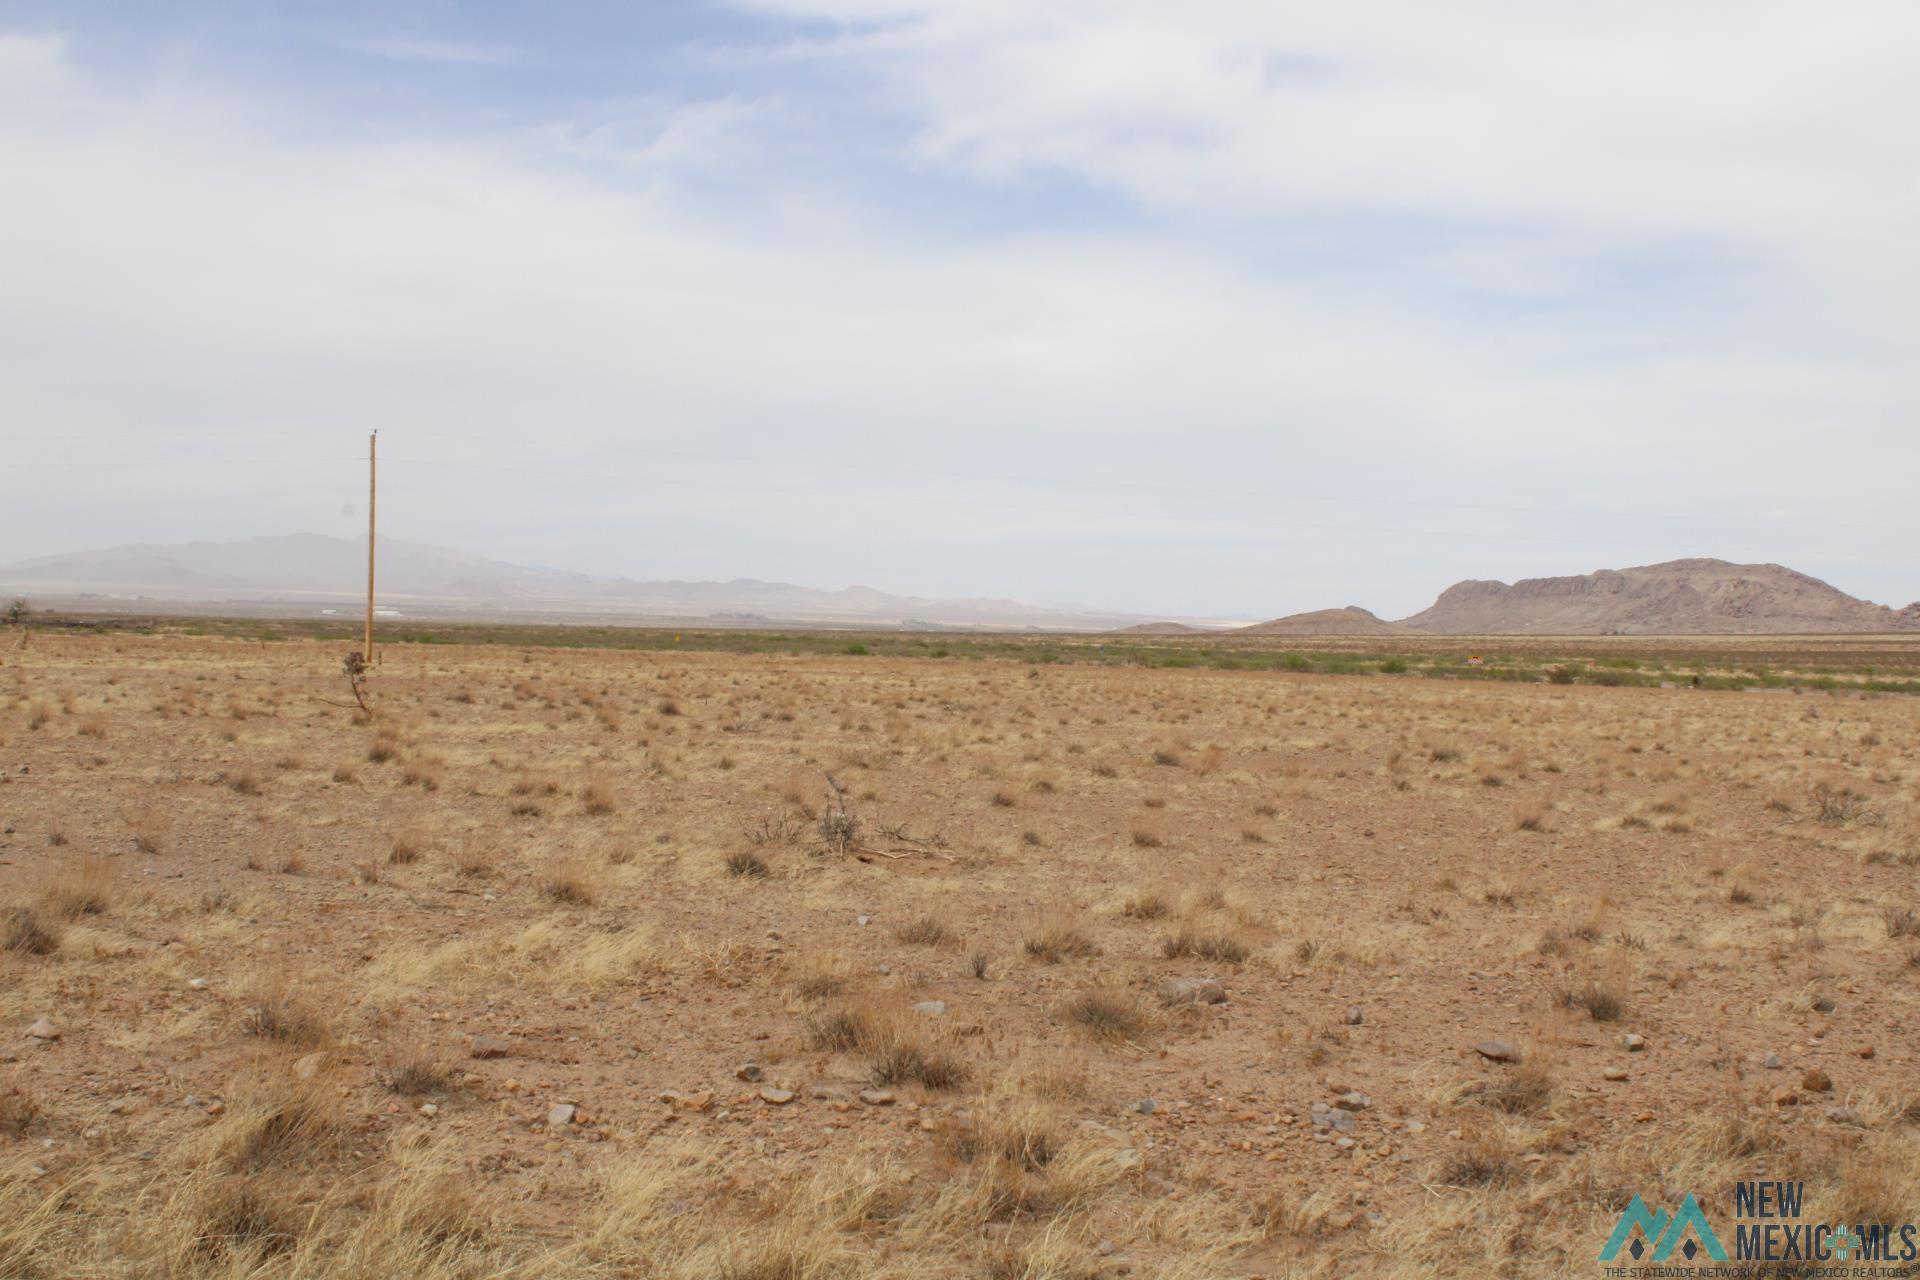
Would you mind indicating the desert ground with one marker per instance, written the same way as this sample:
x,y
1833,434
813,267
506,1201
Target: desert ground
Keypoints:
x,y
595,962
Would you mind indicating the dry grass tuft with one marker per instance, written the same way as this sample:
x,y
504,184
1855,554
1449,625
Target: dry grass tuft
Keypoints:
x,y
926,931
1602,1000
24,931
1056,937
1110,1015
747,865
597,796
1207,944
566,883
277,1011
82,887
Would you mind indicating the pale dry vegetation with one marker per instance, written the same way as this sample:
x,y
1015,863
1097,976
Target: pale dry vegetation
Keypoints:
x,y
602,964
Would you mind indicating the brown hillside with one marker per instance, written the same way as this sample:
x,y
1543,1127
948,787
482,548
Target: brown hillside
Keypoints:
x,y
1350,621
1679,597
1159,629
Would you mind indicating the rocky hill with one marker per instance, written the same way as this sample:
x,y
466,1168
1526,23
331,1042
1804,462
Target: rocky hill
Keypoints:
x,y
1680,597
1350,621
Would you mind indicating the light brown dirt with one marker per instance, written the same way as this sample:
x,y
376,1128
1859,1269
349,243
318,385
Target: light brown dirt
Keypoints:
x,y
1456,861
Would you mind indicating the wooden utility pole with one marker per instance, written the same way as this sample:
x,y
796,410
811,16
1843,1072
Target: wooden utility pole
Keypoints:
x,y
373,442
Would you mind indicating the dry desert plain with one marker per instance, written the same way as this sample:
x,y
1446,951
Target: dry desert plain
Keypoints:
x,y
573,962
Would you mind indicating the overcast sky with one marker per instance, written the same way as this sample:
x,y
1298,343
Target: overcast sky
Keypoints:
x,y
1211,309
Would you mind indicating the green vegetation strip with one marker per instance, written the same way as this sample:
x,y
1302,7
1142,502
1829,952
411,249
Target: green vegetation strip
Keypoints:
x,y
1704,667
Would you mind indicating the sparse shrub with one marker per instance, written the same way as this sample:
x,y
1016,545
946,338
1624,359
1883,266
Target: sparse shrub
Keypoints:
x,y
418,1072
83,887
597,796
1207,944
406,848
1525,1090
565,883
977,965
24,931
1836,805
1108,1015
747,865
1014,1130
1562,674
905,1058
926,931
838,829
1483,1162
276,1012
473,862
1600,1000
235,1215
1055,938
1148,904
18,1111
1901,922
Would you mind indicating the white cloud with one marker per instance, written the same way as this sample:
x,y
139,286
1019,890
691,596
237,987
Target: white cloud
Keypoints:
x,y
1754,127
175,264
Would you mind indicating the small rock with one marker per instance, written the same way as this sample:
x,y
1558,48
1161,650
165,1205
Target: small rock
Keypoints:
x,y
1345,1144
932,1008
1845,1115
1146,1106
1785,1098
700,1101
1353,1101
877,1097
1177,991
307,1067
1772,1062
777,1097
1614,1073
1865,1051
490,1047
863,919
1127,1158
198,984
561,1115
44,1029
748,1071
1106,1249
1816,1081
1355,1015
1633,1042
429,1110
1497,1051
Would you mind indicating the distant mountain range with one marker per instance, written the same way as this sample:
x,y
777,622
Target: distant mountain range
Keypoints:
x,y
312,569
1680,597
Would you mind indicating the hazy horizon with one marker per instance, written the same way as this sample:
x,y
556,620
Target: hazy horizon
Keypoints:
x,y
1235,311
